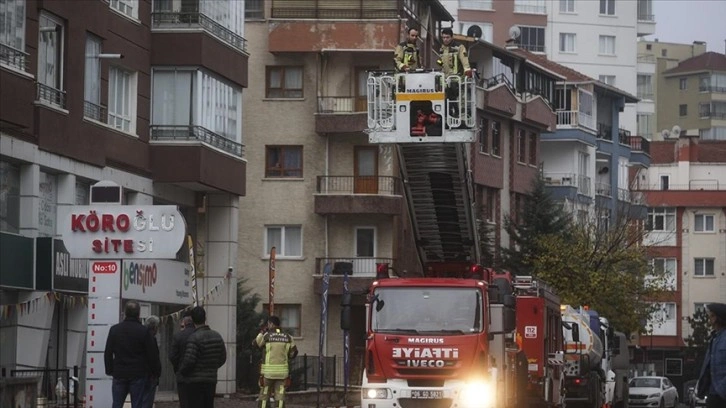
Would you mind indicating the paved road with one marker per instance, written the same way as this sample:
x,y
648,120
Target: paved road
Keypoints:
x,y
168,400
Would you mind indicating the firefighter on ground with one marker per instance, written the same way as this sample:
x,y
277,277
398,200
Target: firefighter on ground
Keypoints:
x,y
453,58
277,349
407,56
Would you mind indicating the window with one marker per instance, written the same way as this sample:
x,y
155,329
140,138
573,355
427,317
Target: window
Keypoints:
x,y
284,161
483,135
365,242
567,42
532,38
50,60
521,145
663,321
608,79
255,9
48,197
122,99
648,47
92,79
533,148
661,219
683,84
183,98
475,4
127,7
714,133
567,6
289,315
712,83
704,110
716,110
284,82
665,268
703,267
645,86
607,7
607,45
12,33
530,6
645,10
664,52
665,181
496,138
645,124
704,223
9,197
287,240
683,109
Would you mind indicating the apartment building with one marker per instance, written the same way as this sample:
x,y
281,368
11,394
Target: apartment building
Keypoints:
x,y
145,95
320,193
685,190
588,160
654,57
596,38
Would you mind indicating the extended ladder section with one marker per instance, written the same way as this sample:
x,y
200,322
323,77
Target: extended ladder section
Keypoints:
x,y
431,118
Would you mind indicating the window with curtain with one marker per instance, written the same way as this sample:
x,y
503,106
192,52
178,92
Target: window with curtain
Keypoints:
x,y
607,45
255,9
287,240
532,38
530,6
284,82
127,7
567,6
645,86
289,315
284,161
122,99
92,74
645,124
567,42
50,51
12,33
661,219
192,97
607,79
607,7
704,223
703,267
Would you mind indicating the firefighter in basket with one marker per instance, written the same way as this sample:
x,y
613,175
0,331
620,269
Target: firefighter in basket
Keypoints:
x,y
453,60
407,56
278,349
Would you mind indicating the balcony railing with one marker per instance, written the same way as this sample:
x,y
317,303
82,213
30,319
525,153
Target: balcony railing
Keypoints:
x,y
646,58
560,179
13,57
51,95
529,8
624,136
358,267
639,144
603,189
196,133
623,194
340,104
332,9
193,19
694,185
344,185
494,81
98,113
712,89
567,118
645,94
604,131
646,17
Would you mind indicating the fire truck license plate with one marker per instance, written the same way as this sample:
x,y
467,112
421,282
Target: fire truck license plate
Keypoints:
x,y
427,394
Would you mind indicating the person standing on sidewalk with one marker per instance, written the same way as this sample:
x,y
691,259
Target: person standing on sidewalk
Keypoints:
x,y
152,324
128,357
712,381
204,353
178,346
278,348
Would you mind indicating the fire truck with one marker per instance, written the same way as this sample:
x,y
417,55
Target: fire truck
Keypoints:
x,y
448,337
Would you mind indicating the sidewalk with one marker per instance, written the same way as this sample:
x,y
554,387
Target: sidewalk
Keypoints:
x,y
304,399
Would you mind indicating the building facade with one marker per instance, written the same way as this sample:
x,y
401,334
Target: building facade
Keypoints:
x,y
144,95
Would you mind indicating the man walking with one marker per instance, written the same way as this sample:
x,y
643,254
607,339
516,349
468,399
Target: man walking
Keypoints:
x,y
204,353
712,381
178,346
278,349
130,357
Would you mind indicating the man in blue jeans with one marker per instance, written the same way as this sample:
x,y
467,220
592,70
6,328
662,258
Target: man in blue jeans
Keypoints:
x,y
130,357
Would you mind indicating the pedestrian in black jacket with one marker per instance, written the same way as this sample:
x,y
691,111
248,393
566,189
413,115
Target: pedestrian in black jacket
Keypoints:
x,y
130,357
178,346
205,352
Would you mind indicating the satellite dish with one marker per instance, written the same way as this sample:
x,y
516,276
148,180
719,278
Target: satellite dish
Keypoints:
x,y
665,133
474,31
676,131
514,32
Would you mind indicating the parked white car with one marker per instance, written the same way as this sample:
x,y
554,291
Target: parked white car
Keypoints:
x,y
656,392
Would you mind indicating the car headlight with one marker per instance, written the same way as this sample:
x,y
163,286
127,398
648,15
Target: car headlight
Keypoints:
x,y
376,393
653,395
477,394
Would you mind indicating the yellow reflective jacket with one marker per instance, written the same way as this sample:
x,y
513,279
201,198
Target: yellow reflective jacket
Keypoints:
x,y
278,347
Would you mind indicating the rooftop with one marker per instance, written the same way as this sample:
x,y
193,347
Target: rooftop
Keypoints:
x,y
709,61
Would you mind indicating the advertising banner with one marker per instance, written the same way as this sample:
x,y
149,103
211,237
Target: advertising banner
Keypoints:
x,y
156,280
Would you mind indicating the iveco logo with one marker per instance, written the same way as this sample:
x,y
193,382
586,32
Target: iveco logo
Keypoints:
x,y
426,340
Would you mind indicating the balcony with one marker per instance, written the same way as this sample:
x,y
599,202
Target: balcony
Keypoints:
x,y
604,131
341,114
359,195
197,158
712,88
50,95
529,8
335,9
603,189
177,19
568,185
497,94
14,58
624,136
361,273
639,150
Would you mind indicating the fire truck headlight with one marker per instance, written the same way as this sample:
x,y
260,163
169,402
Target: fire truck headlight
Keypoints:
x,y
479,394
376,393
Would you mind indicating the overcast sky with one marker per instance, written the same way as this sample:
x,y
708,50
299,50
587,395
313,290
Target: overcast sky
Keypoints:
x,y
685,21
